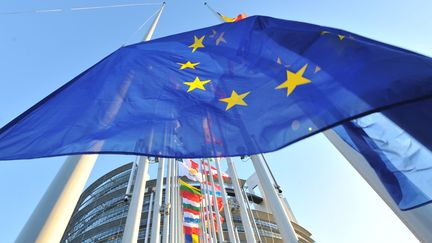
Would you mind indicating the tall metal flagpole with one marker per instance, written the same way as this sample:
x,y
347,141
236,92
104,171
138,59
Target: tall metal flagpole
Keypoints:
x,y
135,208
180,211
149,211
215,204
210,214
206,204
51,216
202,227
153,26
175,206
167,209
278,210
418,220
249,209
247,225
172,223
133,219
227,211
155,233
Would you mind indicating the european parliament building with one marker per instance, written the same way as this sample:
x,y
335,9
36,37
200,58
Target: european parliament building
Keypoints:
x,y
101,212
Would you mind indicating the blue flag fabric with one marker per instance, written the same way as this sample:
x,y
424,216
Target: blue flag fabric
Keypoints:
x,y
247,87
393,143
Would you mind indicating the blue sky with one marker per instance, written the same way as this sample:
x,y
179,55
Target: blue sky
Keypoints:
x,y
41,51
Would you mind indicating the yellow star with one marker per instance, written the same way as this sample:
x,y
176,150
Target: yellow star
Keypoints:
x,y
341,37
197,43
187,65
196,84
293,80
235,99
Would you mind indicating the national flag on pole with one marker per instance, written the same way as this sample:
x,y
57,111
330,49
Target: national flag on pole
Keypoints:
x,y
189,169
210,189
211,195
214,172
264,83
191,197
208,217
230,20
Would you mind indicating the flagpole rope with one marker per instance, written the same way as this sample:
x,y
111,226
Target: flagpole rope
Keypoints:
x,y
56,10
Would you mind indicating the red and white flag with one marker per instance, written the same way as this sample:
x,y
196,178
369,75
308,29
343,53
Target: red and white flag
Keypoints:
x,y
214,172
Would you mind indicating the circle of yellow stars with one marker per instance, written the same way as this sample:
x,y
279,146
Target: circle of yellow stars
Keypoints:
x,y
293,79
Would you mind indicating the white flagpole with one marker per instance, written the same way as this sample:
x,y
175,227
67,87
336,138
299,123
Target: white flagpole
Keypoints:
x,y
167,211
206,204
247,225
180,209
51,216
418,220
155,233
172,222
210,208
201,239
215,204
149,210
135,208
227,211
155,22
177,220
237,234
133,219
278,210
249,209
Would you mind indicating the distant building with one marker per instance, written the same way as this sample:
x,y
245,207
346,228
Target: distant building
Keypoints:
x,y
101,212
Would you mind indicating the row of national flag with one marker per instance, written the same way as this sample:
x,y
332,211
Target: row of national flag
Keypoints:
x,y
191,170
194,201
191,198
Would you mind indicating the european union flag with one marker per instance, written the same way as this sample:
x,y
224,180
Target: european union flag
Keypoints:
x,y
395,144
239,88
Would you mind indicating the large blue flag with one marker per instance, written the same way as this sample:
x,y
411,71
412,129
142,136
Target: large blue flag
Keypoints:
x,y
395,144
239,88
